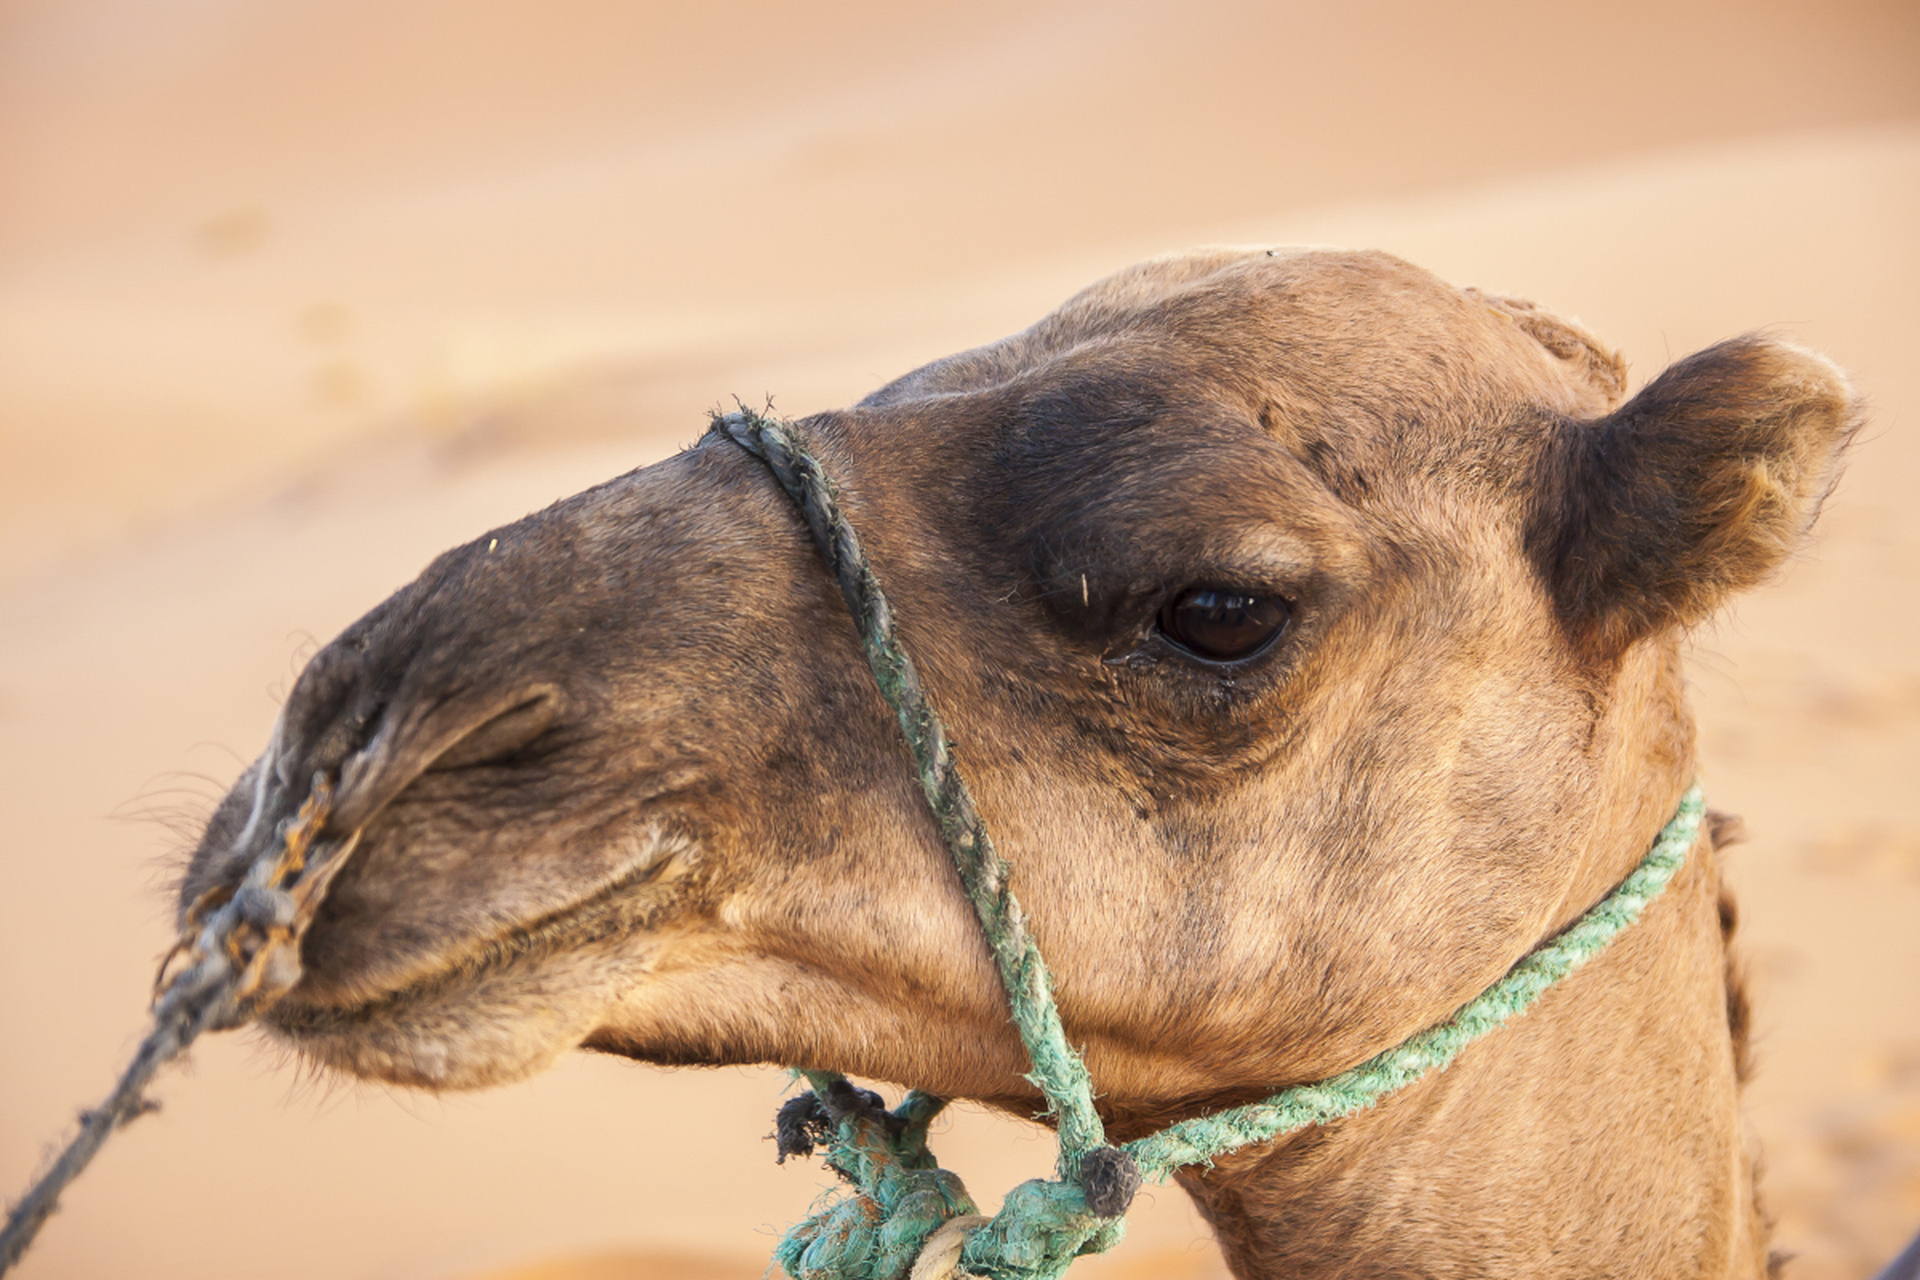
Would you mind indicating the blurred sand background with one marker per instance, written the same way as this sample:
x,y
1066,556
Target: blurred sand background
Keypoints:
x,y
295,294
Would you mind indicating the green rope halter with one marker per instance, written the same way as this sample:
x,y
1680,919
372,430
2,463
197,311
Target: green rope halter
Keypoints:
x,y
903,1198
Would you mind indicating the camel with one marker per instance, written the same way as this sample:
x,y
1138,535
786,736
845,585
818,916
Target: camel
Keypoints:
x,y
1310,629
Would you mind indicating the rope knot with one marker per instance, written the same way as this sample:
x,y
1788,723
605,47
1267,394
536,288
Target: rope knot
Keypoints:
x,y
908,1219
901,1198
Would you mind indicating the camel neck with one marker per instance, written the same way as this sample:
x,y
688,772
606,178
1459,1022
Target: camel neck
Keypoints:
x,y
1546,1148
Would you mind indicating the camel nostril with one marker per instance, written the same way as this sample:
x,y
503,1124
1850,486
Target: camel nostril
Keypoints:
x,y
503,734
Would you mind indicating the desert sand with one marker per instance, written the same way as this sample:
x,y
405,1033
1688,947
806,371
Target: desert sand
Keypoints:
x,y
294,296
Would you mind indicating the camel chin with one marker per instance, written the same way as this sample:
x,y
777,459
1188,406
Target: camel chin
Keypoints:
x,y
458,1030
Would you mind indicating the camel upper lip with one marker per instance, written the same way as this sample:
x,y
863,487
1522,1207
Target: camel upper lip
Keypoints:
x,y
602,913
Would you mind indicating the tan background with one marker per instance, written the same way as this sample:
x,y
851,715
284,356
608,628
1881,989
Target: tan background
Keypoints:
x,y
295,294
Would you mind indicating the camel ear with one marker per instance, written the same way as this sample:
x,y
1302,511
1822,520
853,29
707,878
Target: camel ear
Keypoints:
x,y
1698,487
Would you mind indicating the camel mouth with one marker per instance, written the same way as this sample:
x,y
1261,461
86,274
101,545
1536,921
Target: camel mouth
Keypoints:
x,y
447,1027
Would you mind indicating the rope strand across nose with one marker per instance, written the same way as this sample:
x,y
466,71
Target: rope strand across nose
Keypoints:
x,y
895,1228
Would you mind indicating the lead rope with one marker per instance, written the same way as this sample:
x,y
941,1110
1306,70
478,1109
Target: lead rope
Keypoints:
x,y
240,945
908,1218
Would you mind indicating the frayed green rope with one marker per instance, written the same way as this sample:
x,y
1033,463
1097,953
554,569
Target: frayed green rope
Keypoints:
x,y
1057,1070
903,1198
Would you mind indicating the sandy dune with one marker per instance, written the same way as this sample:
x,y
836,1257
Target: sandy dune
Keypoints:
x,y
294,296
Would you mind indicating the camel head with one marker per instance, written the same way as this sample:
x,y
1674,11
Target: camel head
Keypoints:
x,y
1307,627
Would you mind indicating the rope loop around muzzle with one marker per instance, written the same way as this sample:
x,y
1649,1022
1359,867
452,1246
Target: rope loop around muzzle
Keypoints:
x,y
907,1219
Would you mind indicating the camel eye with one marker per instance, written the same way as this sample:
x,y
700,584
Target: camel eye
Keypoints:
x,y
1220,624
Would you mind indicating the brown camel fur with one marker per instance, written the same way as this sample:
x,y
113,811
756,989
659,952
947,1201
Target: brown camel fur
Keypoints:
x,y
624,780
